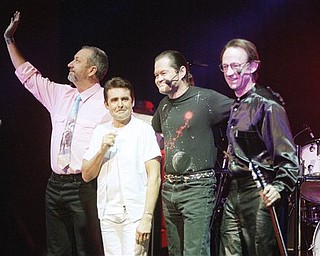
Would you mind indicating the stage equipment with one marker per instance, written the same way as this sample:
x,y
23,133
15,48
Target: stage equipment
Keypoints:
x,y
310,163
315,247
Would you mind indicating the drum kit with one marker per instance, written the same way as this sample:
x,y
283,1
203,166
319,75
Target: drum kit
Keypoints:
x,y
309,191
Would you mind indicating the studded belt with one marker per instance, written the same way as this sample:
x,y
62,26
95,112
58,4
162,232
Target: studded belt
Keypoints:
x,y
172,178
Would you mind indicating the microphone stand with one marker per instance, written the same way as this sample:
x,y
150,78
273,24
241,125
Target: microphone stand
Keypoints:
x,y
297,220
216,217
221,187
297,215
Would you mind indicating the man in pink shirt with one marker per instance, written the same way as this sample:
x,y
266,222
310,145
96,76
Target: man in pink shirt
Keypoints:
x,y
71,215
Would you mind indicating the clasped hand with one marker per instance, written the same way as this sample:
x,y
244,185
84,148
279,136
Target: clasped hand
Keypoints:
x,y
109,139
143,230
270,195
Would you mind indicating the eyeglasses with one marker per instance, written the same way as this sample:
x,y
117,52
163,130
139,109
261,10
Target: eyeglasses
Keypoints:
x,y
234,66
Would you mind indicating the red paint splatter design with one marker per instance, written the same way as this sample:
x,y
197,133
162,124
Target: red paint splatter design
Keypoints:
x,y
187,117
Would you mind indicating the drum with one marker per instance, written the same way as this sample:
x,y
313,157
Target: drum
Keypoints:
x,y
310,162
315,247
311,159
310,212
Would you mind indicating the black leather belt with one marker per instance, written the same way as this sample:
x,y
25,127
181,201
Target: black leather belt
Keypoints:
x,y
67,177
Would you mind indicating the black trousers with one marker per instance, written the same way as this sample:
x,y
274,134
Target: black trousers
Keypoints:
x,y
246,226
71,217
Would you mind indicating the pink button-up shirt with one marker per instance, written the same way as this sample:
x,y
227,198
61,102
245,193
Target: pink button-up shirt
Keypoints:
x,y
58,100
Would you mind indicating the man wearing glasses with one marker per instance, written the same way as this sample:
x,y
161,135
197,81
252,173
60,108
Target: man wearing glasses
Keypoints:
x,y
260,139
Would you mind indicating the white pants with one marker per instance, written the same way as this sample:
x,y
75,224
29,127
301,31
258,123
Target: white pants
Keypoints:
x,y
119,236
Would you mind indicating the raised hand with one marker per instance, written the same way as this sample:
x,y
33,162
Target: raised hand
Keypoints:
x,y
109,139
14,23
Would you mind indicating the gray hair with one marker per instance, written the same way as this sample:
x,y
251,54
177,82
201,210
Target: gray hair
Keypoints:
x,y
99,59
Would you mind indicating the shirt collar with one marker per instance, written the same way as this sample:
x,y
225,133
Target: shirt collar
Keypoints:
x,y
89,92
248,93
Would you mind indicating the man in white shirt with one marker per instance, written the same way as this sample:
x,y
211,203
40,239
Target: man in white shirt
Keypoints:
x,y
125,156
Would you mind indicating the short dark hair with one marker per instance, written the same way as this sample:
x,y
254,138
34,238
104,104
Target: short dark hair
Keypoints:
x,y
118,82
177,60
99,59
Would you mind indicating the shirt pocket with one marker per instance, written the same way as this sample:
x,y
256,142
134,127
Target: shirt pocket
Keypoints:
x,y
83,130
58,125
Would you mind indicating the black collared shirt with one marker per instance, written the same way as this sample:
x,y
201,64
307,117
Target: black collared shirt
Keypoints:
x,y
258,130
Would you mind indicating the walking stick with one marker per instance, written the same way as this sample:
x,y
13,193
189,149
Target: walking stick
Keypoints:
x,y
258,177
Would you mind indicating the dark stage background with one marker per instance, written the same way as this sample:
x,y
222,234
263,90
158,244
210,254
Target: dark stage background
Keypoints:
x,y
133,32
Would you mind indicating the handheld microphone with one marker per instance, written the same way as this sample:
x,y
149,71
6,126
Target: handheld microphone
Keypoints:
x,y
169,82
307,128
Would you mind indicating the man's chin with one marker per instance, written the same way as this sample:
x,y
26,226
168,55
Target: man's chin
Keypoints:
x,y
233,86
163,91
122,118
71,78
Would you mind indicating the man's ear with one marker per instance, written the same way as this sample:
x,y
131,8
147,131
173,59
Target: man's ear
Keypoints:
x,y
254,66
92,71
106,104
182,72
